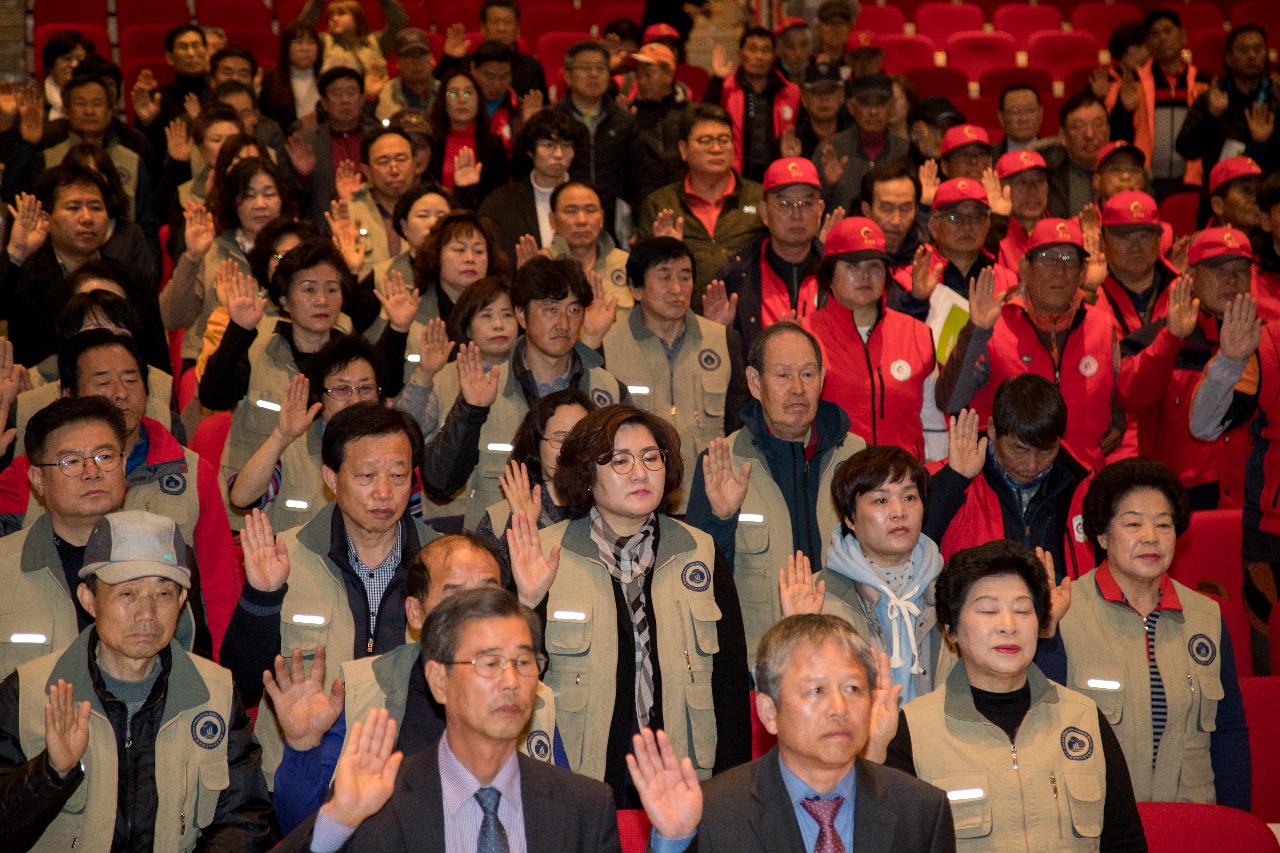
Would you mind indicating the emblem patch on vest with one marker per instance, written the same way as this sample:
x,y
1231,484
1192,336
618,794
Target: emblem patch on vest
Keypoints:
x,y
538,745
1202,649
900,370
173,484
1077,744
208,729
1077,527
1088,366
696,576
601,397
618,276
709,359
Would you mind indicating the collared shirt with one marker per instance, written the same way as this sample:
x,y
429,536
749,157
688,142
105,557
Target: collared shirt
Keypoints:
x,y
378,578
708,209
462,811
799,791
138,455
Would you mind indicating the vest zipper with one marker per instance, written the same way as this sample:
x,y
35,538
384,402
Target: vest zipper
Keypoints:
x,y
1053,780
871,376
684,641
1013,751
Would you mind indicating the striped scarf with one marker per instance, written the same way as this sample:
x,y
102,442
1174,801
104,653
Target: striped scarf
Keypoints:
x,y
629,559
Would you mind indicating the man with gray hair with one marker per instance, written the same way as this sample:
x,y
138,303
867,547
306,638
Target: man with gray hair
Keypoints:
x,y
827,697
473,791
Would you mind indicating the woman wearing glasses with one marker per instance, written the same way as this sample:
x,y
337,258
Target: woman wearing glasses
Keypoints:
x,y
464,142
880,360
643,626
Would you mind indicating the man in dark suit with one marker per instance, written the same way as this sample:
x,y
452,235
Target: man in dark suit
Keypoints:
x,y
473,791
817,681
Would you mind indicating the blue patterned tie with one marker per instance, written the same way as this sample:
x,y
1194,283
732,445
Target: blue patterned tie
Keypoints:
x,y
493,837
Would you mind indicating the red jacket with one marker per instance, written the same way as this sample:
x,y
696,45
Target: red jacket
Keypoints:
x,y
1086,374
880,384
786,106
168,462
1013,246
1113,297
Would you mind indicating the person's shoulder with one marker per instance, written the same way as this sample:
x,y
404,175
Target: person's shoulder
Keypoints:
x,y
565,786
898,787
729,789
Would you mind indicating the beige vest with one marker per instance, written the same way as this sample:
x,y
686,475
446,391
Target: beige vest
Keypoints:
x,y
1107,661
302,488
191,750
37,613
373,233
126,161
582,643
271,369
159,394
315,613
610,265
365,56
689,392
505,415
1047,789
224,247
762,542
194,189
383,682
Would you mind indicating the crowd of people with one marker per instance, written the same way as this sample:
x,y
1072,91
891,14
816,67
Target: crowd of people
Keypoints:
x,y
418,461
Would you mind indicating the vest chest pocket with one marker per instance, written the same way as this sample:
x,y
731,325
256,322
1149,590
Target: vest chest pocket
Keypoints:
x,y
1084,801
1107,691
1211,694
305,627
261,411
214,778
755,578
568,630
713,407
22,645
704,614
970,799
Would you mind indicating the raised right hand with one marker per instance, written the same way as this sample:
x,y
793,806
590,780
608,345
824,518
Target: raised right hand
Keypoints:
x,y
668,786
667,224
266,559
1000,197
514,482
30,227
366,771
526,249
456,43
1241,328
178,142
832,166
797,591
929,181
146,97
301,155
718,305
477,386
66,728
726,489
966,452
303,710
984,304
295,415
434,353
925,277
1218,99
244,305
199,230
1184,308
347,179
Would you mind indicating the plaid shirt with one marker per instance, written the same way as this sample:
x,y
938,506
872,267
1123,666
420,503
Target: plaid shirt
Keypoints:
x,y
376,579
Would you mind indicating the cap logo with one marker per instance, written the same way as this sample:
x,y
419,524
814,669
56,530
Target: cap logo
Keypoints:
x,y
1024,157
1062,230
868,236
962,185
968,131
794,168
1229,237
1136,209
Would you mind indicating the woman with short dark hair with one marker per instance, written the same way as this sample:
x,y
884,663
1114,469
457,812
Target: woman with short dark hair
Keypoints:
x,y
643,622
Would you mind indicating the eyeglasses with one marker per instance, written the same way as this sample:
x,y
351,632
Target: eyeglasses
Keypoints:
x,y
1054,258
550,145
73,464
344,392
493,665
724,140
965,219
800,205
460,94
624,461
556,439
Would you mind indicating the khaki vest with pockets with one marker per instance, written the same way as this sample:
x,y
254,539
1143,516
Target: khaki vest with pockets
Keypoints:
x,y
428,309
763,539
582,642
1107,661
690,393
159,395
271,369
191,750
224,248
373,233
383,682
302,489
1045,792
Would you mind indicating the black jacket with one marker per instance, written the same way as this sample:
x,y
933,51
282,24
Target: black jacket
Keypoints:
x,y
614,157
514,210
31,796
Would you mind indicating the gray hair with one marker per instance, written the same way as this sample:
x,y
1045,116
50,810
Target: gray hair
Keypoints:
x,y
755,355
780,642
443,629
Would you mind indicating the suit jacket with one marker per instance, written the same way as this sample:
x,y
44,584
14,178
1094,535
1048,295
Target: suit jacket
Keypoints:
x,y
513,209
747,810
563,812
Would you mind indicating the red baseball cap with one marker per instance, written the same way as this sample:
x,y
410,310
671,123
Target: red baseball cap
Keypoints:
x,y
790,171
956,190
855,238
654,32
1055,232
1131,207
1112,148
1217,243
962,135
1225,171
1016,162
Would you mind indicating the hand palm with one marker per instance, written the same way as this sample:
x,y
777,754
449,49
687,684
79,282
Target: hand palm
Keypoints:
x,y
360,784
306,712
267,568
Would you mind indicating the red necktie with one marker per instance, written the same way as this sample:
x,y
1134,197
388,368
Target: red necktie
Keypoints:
x,y
824,812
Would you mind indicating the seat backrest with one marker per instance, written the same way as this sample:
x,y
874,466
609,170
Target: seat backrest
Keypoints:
x,y
1020,20
938,20
553,46
881,19
941,82
903,53
1203,828
247,14
167,12
1179,210
975,51
633,830
1262,712
1058,52
1200,17
1200,556
1102,18
550,18
69,12
1273,636
211,436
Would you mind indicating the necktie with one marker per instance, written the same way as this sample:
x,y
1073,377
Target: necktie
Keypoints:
x,y
824,812
493,837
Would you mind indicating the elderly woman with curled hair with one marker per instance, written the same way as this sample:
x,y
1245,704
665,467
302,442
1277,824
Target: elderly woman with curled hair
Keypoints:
x,y
643,626
1154,654
1020,756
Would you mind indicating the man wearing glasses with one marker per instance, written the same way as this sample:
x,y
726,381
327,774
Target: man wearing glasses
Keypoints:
x,y
388,166
72,477
715,211
1084,130
851,153
1044,328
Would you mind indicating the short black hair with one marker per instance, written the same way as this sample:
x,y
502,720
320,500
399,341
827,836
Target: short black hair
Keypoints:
x,y
647,254
1114,482
1078,101
1126,35
425,186
86,153
545,124
554,201
118,311
589,445
231,189
80,81
234,87
757,33
624,28
1155,16
885,171
868,470
232,51
478,295
1243,29
66,411
340,351
71,349
1030,408
336,73
498,4
417,577
178,32
697,113
211,113
584,46
1000,557
492,51
304,256
60,44
264,245
550,278
1016,87
362,420
377,133
456,224
96,65
52,182
442,632
533,428
755,355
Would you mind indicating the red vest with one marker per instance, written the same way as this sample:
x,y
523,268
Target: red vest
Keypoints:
x,y
880,384
775,294
1115,299
786,106
1013,246
1086,377
1006,279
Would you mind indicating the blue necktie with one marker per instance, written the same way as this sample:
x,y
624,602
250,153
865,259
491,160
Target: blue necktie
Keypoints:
x,y
493,836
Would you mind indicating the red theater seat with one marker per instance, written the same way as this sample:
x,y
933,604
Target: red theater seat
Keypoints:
x,y
241,14
1202,828
1179,210
1020,20
941,83
903,53
1262,711
1059,53
166,12
939,20
69,11
975,51
887,20
1102,18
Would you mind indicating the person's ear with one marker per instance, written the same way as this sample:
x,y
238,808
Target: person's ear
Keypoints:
x,y
753,383
684,150
87,599
520,318
767,712
414,613
1217,203
35,477
330,478
437,675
